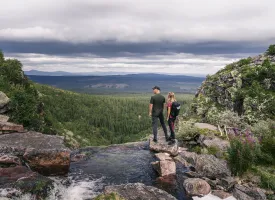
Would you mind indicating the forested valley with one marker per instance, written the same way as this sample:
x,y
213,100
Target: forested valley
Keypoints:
x,y
83,119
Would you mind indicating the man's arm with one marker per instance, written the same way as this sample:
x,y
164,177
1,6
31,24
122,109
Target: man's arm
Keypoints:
x,y
151,106
150,109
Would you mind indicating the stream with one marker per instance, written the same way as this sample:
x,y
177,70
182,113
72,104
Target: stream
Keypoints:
x,y
112,165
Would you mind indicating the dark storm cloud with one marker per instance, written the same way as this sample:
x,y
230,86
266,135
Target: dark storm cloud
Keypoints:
x,y
136,36
111,49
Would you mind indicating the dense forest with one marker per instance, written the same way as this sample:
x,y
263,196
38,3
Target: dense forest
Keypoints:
x,y
82,118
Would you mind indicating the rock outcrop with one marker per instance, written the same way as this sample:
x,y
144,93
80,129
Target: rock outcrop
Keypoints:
x,y
45,154
232,87
206,165
248,193
4,100
138,191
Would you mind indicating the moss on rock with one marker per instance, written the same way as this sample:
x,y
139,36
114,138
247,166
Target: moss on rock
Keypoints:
x,y
246,87
112,196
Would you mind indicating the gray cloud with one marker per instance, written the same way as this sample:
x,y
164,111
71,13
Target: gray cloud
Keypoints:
x,y
137,21
177,63
190,37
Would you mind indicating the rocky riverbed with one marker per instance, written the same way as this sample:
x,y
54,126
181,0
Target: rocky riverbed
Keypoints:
x,y
38,166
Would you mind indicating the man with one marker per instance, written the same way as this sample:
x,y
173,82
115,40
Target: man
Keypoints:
x,y
156,111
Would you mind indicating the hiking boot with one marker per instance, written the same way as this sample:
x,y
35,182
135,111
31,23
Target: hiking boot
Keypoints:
x,y
155,140
172,141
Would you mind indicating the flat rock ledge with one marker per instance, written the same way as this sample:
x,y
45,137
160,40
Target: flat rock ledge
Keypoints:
x,y
7,127
162,146
45,154
138,191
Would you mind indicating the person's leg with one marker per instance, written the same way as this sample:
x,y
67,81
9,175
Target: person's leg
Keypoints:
x,y
161,119
170,128
171,123
155,127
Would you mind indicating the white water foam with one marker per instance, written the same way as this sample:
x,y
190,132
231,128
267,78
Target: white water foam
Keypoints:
x,y
77,190
212,197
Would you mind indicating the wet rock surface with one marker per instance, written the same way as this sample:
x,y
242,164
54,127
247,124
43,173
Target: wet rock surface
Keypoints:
x,y
45,154
9,160
19,180
138,191
164,167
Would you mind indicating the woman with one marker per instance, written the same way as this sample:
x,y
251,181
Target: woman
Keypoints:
x,y
171,119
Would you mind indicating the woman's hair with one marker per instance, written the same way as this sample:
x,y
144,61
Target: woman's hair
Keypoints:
x,y
171,97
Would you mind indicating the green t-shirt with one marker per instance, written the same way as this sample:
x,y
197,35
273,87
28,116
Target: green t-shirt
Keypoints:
x,y
158,102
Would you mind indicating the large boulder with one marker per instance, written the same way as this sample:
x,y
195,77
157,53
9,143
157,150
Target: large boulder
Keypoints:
x,y
206,165
196,187
242,192
138,191
206,126
25,181
4,100
165,167
7,127
222,145
4,118
45,153
48,162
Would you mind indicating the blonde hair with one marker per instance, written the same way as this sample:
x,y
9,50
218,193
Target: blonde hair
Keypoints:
x,y
171,97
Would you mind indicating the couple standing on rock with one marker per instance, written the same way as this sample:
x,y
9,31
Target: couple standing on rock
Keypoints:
x,y
156,107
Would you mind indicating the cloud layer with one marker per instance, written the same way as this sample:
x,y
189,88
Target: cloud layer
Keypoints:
x,y
168,64
196,37
137,21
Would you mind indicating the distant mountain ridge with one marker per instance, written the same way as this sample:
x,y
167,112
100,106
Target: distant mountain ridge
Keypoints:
x,y
63,73
133,83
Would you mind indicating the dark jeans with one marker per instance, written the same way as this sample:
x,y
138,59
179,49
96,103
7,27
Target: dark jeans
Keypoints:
x,y
155,125
171,123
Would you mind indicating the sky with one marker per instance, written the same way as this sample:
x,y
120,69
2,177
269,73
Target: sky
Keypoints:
x,y
194,37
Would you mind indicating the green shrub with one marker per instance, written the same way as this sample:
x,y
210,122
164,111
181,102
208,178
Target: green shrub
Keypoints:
x,y
245,61
225,118
213,150
265,131
197,149
186,130
242,155
267,175
271,50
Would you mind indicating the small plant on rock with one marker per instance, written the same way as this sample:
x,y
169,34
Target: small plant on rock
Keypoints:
x,y
271,50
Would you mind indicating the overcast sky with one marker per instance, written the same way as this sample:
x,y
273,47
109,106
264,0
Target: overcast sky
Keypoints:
x,y
162,36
